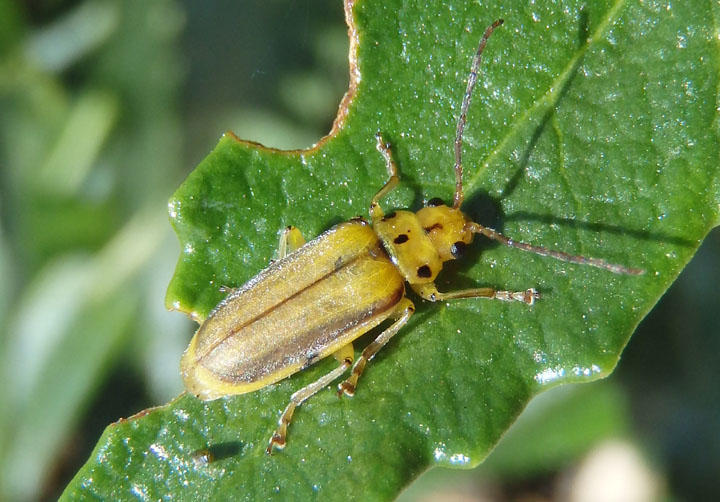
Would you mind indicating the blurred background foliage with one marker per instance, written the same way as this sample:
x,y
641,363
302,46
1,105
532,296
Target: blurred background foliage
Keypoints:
x,y
106,105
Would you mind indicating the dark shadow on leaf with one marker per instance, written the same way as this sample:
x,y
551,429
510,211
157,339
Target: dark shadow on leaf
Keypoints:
x,y
602,227
488,211
525,159
328,224
417,190
216,452
583,26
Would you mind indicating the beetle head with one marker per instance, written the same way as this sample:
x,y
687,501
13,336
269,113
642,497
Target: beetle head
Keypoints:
x,y
446,228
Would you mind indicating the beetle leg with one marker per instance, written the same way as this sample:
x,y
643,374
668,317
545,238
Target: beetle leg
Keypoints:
x,y
290,239
404,310
429,292
278,438
376,212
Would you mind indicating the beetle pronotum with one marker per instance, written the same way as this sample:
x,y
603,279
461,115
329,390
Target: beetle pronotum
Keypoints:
x,y
320,296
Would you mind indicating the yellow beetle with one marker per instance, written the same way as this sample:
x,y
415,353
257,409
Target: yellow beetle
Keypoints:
x,y
320,296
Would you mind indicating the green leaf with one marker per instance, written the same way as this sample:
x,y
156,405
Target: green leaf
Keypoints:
x,y
593,130
557,429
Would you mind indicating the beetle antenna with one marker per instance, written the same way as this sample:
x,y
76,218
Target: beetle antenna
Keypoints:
x,y
476,228
472,79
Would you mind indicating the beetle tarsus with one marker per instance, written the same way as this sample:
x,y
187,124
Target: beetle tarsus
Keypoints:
x,y
528,296
276,441
346,388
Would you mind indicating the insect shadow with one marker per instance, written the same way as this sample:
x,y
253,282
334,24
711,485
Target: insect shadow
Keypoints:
x,y
217,452
525,160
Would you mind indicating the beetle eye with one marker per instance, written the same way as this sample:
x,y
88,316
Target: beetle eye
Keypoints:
x,y
435,201
458,249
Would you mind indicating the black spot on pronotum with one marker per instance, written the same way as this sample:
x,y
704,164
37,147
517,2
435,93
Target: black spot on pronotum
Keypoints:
x,y
401,238
436,226
458,249
389,215
424,271
435,201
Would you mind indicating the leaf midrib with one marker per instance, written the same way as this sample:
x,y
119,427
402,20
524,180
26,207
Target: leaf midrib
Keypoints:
x,y
549,98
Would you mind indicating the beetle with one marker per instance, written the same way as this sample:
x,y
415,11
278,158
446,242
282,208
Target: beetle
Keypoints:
x,y
320,296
